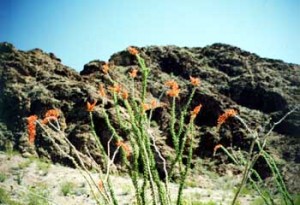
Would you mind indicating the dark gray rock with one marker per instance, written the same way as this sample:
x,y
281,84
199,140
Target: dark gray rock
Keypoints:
x,y
263,90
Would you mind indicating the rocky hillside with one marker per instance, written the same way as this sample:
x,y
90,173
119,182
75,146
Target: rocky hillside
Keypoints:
x,y
262,90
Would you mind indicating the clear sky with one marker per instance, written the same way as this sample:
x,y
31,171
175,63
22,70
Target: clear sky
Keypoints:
x,y
78,31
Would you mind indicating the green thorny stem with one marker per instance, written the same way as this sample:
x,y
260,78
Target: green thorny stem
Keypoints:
x,y
259,191
187,167
249,163
140,129
101,148
276,173
145,73
82,169
140,195
242,162
184,112
116,137
137,143
278,178
150,171
254,183
176,137
117,106
136,123
172,125
270,161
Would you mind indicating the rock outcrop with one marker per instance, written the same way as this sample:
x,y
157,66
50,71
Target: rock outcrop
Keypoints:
x,y
262,90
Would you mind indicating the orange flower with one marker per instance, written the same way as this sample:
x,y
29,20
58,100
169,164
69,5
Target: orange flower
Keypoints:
x,y
100,185
31,128
195,81
50,114
172,84
174,92
102,91
90,107
116,88
153,103
124,146
146,106
196,110
133,73
227,114
105,68
133,51
218,146
125,94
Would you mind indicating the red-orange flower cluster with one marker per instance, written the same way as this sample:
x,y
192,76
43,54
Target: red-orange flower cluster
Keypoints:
x,y
146,106
133,73
227,114
195,112
149,106
31,128
218,146
173,92
90,107
172,84
100,185
116,88
195,81
125,147
102,91
153,103
124,94
174,88
132,51
50,114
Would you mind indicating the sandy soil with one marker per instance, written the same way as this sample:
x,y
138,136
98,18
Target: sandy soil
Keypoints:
x,y
25,177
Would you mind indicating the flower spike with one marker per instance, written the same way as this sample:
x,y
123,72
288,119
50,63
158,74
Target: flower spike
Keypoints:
x,y
195,112
51,114
102,91
90,107
31,128
133,51
195,81
227,114
173,92
133,73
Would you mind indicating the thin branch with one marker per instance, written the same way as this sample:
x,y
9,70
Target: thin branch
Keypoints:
x,y
283,118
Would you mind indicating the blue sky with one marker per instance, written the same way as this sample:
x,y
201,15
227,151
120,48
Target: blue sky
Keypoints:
x,y
78,31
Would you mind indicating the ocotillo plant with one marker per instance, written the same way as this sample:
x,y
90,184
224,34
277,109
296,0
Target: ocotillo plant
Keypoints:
x,y
141,148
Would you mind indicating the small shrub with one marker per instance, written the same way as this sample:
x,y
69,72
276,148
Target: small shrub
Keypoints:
x,y
43,166
38,196
5,198
19,177
191,183
24,164
258,201
2,177
67,188
246,190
